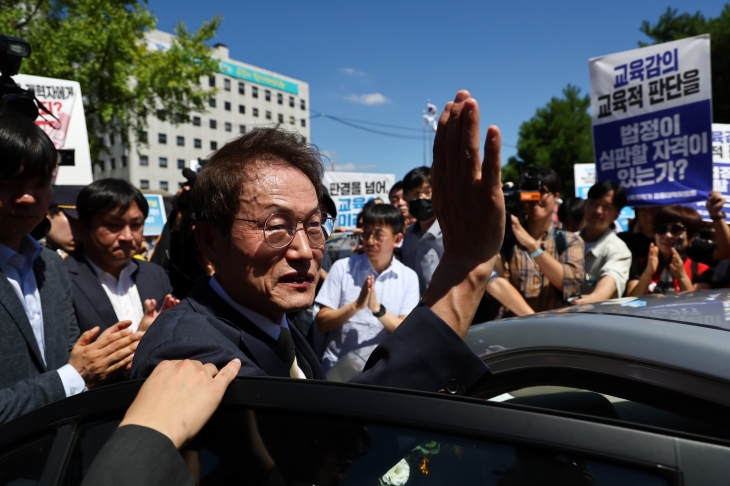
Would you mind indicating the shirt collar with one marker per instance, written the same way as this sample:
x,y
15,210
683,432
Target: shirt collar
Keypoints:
x,y
434,229
127,270
600,241
262,322
370,265
29,251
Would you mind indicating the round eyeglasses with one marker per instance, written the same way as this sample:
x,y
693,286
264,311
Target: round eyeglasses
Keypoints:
x,y
279,229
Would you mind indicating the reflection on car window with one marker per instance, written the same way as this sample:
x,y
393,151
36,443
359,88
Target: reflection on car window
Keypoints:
x,y
24,465
240,447
90,439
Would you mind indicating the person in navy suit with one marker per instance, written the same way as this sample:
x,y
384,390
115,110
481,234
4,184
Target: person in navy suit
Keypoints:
x,y
258,221
108,284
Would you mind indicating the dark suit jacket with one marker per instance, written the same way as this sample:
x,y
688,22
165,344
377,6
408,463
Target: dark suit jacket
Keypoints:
x,y
26,382
423,353
93,307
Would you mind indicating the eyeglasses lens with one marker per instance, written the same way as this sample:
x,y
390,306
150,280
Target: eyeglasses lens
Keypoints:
x,y
280,229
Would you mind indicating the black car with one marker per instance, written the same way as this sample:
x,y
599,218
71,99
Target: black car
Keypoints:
x,y
631,392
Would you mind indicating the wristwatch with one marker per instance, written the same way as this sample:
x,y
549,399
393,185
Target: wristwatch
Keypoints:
x,y
718,216
381,312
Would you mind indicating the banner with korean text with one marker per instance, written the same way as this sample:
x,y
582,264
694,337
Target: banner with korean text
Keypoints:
x,y
720,169
351,190
652,113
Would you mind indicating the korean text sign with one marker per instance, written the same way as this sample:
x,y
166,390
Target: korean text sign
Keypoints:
x,y
652,113
351,190
58,96
156,218
720,168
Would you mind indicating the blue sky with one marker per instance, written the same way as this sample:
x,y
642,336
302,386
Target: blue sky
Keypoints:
x,y
381,61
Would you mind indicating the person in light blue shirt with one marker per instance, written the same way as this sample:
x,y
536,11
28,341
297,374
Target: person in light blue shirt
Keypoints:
x,y
366,296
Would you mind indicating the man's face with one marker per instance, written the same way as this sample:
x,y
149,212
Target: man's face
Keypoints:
x,y
378,240
60,234
600,213
543,208
399,201
270,281
423,192
23,204
114,238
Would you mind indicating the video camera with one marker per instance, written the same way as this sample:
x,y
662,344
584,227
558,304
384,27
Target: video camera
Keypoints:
x,y
528,190
12,96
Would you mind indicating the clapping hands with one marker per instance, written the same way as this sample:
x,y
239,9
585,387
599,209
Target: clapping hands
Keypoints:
x,y
368,297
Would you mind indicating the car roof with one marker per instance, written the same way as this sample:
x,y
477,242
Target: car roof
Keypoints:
x,y
688,332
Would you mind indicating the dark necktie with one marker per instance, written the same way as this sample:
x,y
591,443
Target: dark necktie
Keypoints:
x,y
287,343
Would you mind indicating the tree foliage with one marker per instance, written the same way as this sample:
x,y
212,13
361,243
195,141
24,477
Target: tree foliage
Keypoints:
x,y
674,26
100,44
558,136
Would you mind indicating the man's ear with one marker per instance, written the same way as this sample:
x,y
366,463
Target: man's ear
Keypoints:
x,y
398,238
210,239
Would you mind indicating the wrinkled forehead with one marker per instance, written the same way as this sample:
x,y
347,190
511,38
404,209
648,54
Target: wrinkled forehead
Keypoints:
x,y
276,185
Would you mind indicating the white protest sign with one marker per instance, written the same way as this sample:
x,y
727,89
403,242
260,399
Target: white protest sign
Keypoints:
x,y
651,111
351,190
584,176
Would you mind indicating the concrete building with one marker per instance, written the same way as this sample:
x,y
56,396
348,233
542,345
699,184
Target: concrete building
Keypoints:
x,y
247,97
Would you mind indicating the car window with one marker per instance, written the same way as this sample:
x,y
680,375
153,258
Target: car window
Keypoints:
x,y
246,447
90,438
23,464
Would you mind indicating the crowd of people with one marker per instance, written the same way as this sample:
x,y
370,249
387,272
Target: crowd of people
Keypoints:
x,y
81,307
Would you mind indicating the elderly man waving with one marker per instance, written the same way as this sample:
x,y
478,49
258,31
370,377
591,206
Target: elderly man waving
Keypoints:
x,y
259,223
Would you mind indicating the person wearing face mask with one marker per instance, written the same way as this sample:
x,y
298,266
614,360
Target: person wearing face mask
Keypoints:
x,y
667,268
423,244
546,265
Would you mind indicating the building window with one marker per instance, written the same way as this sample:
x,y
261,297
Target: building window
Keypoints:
x,y
143,137
197,143
291,120
304,139
227,105
213,124
180,141
213,145
144,184
180,163
268,115
241,88
291,101
163,161
302,104
280,98
227,84
267,95
304,122
111,139
163,185
228,127
211,81
162,138
242,109
241,128
196,121
255,91
280,118
112,164
211,102
255,112
144,160
124,160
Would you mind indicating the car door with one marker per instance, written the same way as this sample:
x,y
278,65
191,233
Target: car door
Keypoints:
x,y
293,431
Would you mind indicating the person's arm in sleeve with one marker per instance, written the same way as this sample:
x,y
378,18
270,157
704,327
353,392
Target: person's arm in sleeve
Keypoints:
x,y
508,296
613,276
331,315
28,395
573,263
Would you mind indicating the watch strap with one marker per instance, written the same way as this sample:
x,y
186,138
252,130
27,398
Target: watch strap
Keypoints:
x,y
718,216
537,253
381,311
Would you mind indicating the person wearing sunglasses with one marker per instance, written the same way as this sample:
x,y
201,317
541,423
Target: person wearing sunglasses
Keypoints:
x,y
667,268
366,296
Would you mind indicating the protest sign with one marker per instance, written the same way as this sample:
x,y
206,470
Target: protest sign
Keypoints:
x,y
156,218
720,169
585,177
351,190
651,113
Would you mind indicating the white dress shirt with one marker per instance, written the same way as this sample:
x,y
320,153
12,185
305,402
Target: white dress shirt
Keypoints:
x,y
122,293
18,269
268,326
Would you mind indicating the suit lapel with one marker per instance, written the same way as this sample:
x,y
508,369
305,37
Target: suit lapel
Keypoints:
x,y
10,301
88,283
145,288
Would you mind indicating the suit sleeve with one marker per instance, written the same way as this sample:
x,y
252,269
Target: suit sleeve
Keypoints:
x,y
28,395
69,312
425,354
141,456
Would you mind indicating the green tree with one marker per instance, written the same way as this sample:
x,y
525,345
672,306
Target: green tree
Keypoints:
x,y
100,44
557,137
673,26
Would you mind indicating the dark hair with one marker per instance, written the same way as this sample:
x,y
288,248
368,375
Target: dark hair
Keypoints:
x,y
415,179
216,194
107,196
573,207
385,214
690,218
396,187
25,149
600,189
548,178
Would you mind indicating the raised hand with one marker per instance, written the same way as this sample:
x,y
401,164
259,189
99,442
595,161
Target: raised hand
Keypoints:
x,y
652,261
715,203
676,265
373,303
109,355
364,298
151,312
